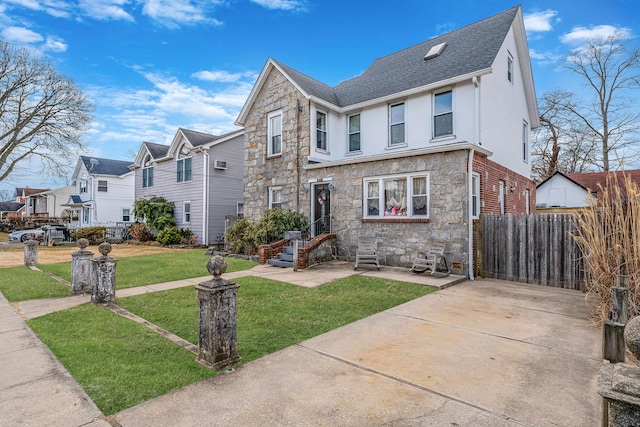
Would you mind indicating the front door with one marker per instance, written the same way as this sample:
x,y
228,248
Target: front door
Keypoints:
x,y
322,209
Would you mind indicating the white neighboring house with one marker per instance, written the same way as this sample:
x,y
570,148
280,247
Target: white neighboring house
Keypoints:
x,y
560,191
49,203
103,193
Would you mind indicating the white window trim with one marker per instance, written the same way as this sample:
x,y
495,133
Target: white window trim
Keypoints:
x,y
475,191
325,130
502,187
270,116
409,196
240,212
184,212
510,74
433,115
404,124
129,215
349,133
103,188
272,190
182,157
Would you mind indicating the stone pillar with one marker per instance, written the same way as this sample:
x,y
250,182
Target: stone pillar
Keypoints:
x,y
81,268
619,384
217,325
103,286
31,253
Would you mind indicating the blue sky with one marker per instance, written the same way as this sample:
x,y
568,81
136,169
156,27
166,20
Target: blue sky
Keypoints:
x,y
151,66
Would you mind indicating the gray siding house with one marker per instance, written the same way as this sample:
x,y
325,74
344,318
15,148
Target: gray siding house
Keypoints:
x,y
202,174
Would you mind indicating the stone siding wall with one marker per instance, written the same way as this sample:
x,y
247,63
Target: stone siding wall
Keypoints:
x,y
261,172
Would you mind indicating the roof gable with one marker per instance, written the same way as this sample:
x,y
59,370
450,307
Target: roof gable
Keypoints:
x,y
102,166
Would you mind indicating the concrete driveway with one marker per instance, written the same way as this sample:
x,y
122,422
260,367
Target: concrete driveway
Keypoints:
x,y
481,353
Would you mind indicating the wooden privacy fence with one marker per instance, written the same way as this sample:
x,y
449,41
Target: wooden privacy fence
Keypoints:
x,y
530,248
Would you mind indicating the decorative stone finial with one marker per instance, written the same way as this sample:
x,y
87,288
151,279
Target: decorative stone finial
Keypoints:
x,y
217,266
104,248
82,243
632,336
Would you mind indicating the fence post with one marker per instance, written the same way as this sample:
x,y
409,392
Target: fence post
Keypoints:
x,y
613,348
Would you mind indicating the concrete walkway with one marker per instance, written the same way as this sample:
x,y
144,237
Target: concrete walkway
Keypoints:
x,y
481,353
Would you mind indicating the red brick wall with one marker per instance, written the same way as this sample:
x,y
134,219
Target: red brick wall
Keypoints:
x,y
490,175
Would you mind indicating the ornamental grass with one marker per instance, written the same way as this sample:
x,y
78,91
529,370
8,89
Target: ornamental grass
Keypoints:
x,y
608,233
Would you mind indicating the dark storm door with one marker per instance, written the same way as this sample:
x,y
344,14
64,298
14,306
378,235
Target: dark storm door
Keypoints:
x,y
322,209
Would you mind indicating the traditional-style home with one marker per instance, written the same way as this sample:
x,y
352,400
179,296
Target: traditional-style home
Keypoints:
x,y
10,210
566,192
413,149
50,203
20,194
103,192
201,174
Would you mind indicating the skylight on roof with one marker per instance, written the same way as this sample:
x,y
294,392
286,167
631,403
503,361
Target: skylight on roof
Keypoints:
x,y
435,50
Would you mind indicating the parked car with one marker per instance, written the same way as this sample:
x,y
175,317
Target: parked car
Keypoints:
x,y
38,233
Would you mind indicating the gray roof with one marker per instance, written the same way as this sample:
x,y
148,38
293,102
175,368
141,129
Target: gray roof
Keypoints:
x,y
468,49
100,166
198,138
10,206
157,151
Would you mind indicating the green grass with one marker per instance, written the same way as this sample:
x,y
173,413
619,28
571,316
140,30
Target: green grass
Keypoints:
x,y
273,315
118,362
22,283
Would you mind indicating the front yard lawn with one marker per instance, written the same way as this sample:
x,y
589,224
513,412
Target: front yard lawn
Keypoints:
x,y
118,363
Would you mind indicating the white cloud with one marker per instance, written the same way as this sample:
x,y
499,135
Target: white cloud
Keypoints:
x,y
579,35
57,8
222,76
539,21
281,4
21,35
106,9
174,13
54,44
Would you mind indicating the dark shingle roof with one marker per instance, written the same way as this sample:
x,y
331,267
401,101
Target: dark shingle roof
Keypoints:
x,y
198,138
28,191
106,166
156,150
595,180
10,206
469,49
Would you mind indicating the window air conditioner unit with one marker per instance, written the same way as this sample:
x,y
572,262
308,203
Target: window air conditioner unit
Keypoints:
x,y
219,164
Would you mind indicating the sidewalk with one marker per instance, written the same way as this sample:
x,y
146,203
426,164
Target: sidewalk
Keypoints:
x,y
482,353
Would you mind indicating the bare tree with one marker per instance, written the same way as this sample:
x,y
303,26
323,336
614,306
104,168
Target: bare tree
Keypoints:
x,y
42,113
561,143
610,68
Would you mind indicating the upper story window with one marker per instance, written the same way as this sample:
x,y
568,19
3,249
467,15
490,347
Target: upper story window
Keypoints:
x,y
397,196
83,186
396,124
321,130
102,186
275,197
443,114
354,133
475,195
147,173
525,141
274,133
183,165
509,67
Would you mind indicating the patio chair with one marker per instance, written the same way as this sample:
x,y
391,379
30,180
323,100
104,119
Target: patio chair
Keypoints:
x,y
432,258
366,253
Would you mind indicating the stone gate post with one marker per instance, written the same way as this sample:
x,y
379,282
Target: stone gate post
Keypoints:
x,y
217,324
31,253
81,268
103,286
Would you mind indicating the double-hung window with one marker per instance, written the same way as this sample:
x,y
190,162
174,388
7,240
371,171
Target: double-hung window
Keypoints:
x,y
443,114
525,141
475,195
509,67
147,173
186,212
183,165
396,124
275,197
274,133
354,133
102,186
397,196
83,186
126,215
321,130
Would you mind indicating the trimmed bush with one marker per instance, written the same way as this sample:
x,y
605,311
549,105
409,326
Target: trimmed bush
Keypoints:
x,y
93,234
174,236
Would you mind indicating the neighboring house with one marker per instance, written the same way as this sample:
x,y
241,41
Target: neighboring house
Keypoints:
x,y
201,174
413,149
20,194
50,203
103,192
560,193
11,210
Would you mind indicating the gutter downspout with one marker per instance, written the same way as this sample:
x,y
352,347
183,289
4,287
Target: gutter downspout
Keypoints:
x,y
205,199
470,212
